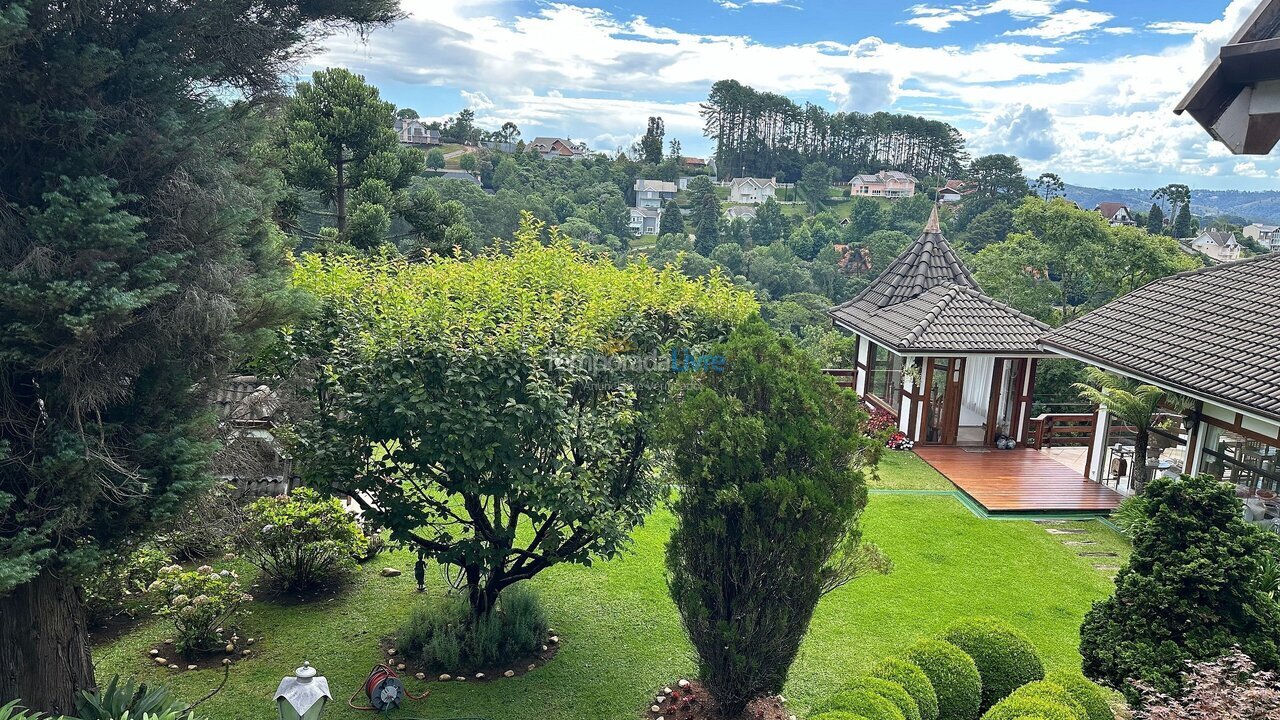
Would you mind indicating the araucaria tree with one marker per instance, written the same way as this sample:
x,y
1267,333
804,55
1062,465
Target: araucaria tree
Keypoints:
x,y
337,140
494,413
134,252
767,455
1189,593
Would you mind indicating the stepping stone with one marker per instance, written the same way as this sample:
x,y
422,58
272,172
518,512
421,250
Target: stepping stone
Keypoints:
x,y
1064,531
1078,543
1097,554
1049,522
1107,568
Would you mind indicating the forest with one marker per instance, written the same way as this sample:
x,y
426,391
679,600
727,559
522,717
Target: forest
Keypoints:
x,y
762,134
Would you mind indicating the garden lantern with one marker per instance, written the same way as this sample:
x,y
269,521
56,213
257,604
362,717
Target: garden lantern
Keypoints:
x,y
302,697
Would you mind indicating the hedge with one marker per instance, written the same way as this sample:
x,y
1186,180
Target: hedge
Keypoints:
x,y
1006,659
1025,708
954,677
863,703
1053,693
837,715
1090,696
891,691
913,680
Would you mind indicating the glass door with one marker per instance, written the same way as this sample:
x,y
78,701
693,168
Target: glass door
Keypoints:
x,y
943,393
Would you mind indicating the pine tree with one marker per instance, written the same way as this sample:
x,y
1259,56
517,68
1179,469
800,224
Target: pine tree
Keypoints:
x,y
137,260
705,216
1182,224
651,143
672,221
1155,220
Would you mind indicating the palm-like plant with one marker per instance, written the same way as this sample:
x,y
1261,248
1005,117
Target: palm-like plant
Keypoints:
x,y
1137,404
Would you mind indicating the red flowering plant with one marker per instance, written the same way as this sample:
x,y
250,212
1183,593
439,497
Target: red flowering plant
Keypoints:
x,y
899,441
881,423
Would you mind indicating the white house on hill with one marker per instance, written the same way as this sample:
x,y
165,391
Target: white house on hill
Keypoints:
x,y
886,183
1266,235
1115,213
752,191
1217,245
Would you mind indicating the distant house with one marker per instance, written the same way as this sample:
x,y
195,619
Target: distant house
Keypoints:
x,y
458,175
1218,245
563,148
954,191
502,146
1267,235
645,221
415,134
886,183
1115,213
654,193
693,163
752,191
746,212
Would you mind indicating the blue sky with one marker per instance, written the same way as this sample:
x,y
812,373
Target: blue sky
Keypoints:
x,y
1081,88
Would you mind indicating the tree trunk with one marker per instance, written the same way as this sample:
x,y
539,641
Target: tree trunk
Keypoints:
x,y
1141,441
341,196
44,645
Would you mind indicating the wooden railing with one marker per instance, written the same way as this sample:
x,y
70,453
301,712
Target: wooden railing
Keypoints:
x,y
844,378
1061,429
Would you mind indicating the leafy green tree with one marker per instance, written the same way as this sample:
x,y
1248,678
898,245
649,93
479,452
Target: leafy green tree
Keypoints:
x,y
506,175
1155,220
705,217
885,247
137,261
865,217
468,162
1188,594
764,526
337,134
439,421
998,176
1049,186
1182,223
650,146
815,182
1139,405
770,225
990,227
509,132
407,114
435,159
729,257
461,128
672,221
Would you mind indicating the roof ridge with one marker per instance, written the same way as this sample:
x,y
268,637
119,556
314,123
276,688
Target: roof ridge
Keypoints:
x,y
1006,307
929,317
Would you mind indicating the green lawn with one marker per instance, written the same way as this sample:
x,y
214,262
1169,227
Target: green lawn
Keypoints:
x,y
622,636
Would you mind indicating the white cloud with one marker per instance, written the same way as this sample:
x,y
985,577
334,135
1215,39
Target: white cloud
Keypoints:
x,y
936,19
1249,169
1178,27
732,5
1065,24
587,73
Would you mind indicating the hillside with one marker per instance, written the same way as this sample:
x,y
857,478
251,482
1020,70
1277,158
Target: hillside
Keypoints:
x,y
1251,206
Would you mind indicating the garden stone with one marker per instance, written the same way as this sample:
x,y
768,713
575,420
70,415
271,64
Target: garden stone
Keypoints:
x,y
666,691
192,667
555,640
659,699
230,648
461,678
391,651
245,653
683,683
509,673
226,661
173,666
168,641
446,677
479,676
400,666
544,648
420,676
390,572
249,641
153,652
655,709
161,661
533,666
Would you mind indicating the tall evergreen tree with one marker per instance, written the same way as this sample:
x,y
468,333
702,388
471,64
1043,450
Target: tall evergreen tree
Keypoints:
x,y
705,216
770,224
672,221
137,261
1182,223
651,143
1155,220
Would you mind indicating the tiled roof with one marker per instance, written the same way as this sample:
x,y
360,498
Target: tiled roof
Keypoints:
x,y
655,186
1212,333
948,317
1109,209
927,300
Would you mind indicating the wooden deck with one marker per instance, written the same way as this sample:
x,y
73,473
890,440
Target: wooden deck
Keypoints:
x,y
1020,480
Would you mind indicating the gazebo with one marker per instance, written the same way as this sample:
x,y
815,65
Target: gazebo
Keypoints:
x,y
952,365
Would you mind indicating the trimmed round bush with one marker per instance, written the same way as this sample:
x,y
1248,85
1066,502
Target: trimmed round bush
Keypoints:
x,y
1090,696
837,715
891,691
913,680
953,675
1025,708
863,703
1006,659
1051,692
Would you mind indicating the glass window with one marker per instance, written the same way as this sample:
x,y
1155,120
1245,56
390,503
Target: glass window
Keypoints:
x,y
1250,464
884,377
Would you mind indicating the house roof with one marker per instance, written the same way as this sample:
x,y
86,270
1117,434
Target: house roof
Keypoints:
x,y
758,182
646,212
1264,228
927,300
244,399
655,186
883,176
1209,333
1109,209
1219,237
740,211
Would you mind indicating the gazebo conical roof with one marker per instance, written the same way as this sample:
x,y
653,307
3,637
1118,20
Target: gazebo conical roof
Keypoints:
x,y
928,301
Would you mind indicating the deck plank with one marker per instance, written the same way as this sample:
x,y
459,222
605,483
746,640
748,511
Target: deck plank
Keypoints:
x,y
1020,480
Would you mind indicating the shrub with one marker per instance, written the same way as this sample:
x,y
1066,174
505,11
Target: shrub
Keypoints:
x,y
118,586
755,496
954,677
120,701
198,602
837,715
1052,693
863,703
914,681
443,634
12,711
300,541
1091,697
1012,708
1006,659
1188,594
891,691
1230,687
205,527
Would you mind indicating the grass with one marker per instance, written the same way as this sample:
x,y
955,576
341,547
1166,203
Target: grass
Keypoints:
x,y
622,635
